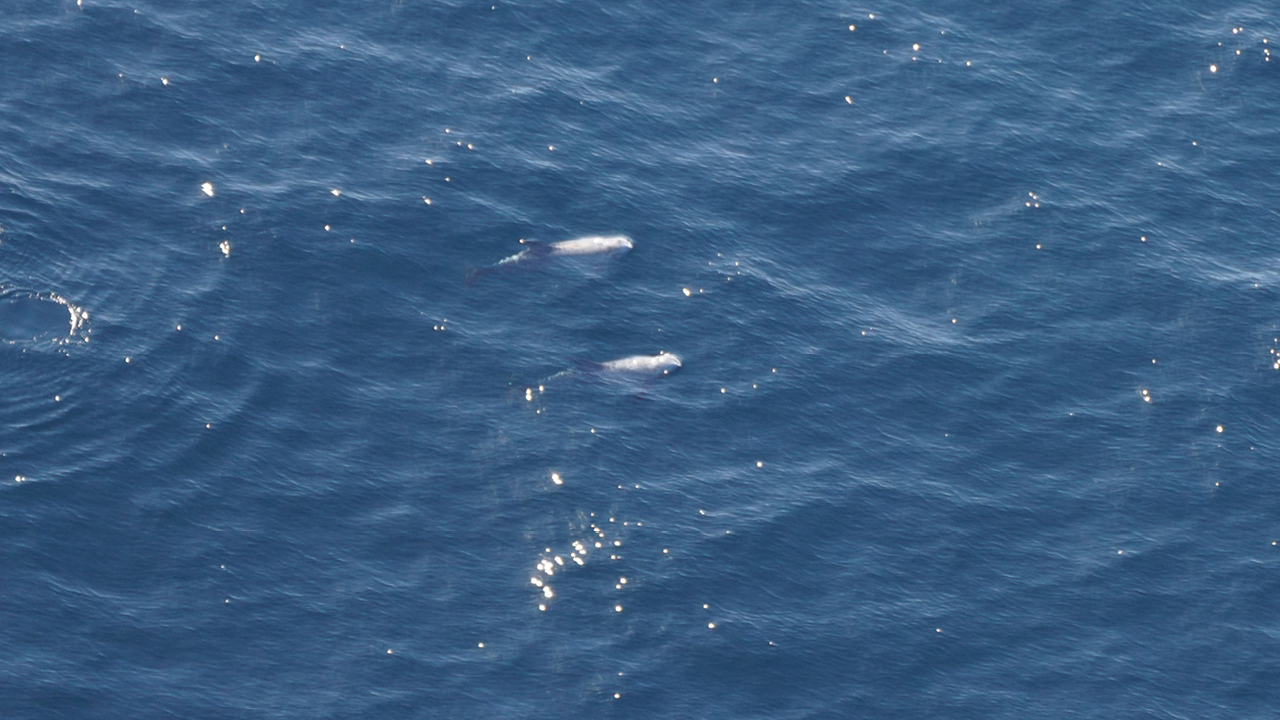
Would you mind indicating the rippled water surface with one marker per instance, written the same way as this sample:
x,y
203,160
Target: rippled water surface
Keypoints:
x,y
977,310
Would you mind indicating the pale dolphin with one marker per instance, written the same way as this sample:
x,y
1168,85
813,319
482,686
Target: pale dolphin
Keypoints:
x,y
636,366
635,373
538,254
632,370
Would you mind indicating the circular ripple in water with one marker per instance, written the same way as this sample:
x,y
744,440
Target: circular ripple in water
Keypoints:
x,y
31,317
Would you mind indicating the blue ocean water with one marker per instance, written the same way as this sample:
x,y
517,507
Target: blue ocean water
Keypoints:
x,y
977,307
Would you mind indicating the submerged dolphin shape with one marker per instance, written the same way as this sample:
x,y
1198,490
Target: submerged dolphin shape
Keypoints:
x,y
538,254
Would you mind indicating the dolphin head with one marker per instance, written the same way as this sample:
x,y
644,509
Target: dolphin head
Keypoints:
x,y
668,362
617,244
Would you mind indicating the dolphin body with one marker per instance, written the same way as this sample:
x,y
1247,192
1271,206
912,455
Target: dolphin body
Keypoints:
x,y
636,366
634,369
636,372
536,254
